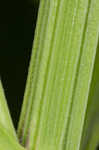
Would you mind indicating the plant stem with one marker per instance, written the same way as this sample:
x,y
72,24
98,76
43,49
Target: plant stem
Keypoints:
x,y
60,74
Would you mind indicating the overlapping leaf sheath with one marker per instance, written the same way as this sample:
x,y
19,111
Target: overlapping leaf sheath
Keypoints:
x,y
60,74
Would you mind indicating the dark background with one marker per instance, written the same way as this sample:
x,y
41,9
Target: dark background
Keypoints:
x,y
17,25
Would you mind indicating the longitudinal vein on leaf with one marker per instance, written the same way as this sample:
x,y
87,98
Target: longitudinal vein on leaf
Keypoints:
x,y
60,75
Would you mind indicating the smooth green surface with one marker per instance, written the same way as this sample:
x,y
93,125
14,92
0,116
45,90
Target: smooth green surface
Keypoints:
x,y
7,142
92,114
94,138
84,78
60,75
5,118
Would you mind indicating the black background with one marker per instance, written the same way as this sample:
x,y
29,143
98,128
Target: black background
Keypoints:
x,y
17,26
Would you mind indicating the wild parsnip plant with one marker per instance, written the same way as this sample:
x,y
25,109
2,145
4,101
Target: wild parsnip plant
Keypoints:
x,y
60,93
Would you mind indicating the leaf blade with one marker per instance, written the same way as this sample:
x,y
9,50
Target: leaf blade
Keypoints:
x,y
5,118
7,142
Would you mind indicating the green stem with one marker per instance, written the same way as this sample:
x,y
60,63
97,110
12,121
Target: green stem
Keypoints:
x,y
60,74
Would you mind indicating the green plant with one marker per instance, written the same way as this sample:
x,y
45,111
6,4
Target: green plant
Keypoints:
x,y
60,91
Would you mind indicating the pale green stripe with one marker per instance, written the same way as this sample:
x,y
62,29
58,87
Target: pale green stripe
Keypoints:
x,y
81,94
